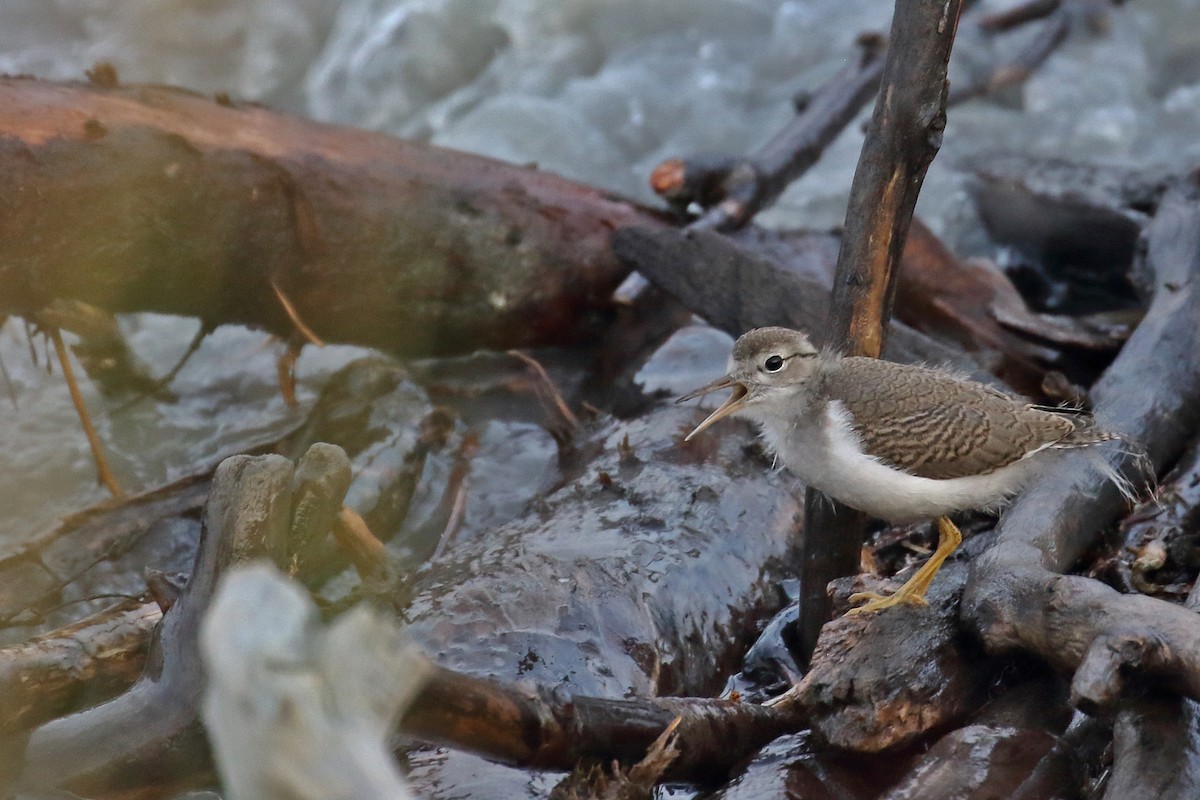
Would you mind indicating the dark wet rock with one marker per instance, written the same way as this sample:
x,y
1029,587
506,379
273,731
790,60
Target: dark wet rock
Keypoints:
x,y
637,576
643,574
792,768
981,762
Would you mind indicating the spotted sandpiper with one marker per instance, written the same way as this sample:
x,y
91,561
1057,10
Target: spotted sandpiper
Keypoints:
x,y
899,442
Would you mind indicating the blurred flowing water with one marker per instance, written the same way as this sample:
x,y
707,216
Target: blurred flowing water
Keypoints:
x,y
598,90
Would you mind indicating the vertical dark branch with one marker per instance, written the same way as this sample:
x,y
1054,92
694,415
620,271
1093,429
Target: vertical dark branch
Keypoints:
x,y
902,139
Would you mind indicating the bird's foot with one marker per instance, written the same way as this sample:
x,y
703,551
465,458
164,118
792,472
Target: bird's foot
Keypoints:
x,y
913,592
878,602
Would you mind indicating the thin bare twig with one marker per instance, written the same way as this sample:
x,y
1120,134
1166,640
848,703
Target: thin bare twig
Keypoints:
x,y
454,498
551,397
8,384
1017,16
285,369
167,379
294,316
454,522
364,548
102,469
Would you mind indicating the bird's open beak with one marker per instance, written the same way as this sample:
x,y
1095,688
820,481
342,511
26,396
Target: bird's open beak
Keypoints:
x,y
725,409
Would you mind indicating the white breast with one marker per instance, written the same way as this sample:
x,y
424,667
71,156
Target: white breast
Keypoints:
x,y
831,458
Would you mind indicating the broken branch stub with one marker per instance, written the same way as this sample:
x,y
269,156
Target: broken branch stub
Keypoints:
x,y
748,185
1017,597
883,681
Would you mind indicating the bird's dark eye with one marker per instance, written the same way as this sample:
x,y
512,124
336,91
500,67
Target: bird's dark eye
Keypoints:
x,y
773,364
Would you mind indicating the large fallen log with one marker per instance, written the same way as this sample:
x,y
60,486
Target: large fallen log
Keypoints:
x,y
145,198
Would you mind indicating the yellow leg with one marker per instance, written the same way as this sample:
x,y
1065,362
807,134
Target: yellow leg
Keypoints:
x,y
913,592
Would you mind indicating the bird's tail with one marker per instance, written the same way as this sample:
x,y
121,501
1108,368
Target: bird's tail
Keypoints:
x,y
1134,478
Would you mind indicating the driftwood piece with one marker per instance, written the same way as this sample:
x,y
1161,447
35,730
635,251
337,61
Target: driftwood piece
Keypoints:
x,y
1156,746
1155,753
903,136
141,198
770,278
733,189
1061,18
1018,15
1017,597
1156,742
246,517
318,488
295,710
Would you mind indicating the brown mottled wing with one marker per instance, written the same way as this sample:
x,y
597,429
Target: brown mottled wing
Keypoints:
x,y
936,426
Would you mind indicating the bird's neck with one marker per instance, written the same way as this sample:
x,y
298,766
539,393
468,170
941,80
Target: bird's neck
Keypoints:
x,y
785,408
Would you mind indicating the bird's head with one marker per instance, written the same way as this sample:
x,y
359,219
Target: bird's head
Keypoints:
x,y
767,368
